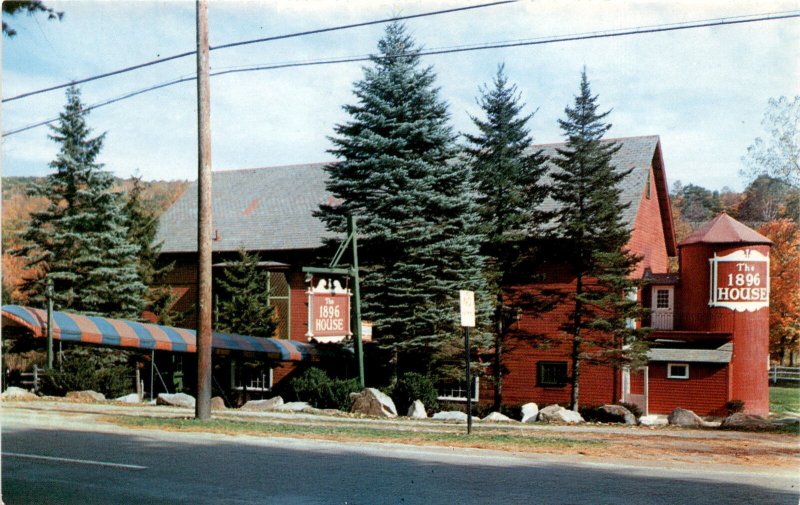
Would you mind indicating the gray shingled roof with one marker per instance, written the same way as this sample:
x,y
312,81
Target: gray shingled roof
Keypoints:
x,y
722,354
270,209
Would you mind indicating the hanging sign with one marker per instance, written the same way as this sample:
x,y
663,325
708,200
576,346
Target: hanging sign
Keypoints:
x,y
739,281
328,312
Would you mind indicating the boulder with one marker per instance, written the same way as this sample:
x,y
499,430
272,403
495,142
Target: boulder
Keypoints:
x,y
131,398
497,417
558,414
450,415
684,417
176,400
217,403
372,402
294,407
616,414
529,412
653,420
786,421
86,396
417,410
16,394
263,405
743,421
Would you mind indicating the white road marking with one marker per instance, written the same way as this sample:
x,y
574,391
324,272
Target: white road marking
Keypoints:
x,y
78,461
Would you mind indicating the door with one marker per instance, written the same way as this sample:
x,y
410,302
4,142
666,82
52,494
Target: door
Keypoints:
x,y
663,308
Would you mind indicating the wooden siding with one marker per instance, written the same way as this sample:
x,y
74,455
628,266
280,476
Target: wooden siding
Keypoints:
x,y
705,392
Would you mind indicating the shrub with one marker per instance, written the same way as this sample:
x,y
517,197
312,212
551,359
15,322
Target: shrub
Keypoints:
x,y
514,411
734,406
322,392
103,370
635,409
413,386
592,413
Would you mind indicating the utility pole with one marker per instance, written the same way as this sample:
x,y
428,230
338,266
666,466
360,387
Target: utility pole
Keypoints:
x,y
203,405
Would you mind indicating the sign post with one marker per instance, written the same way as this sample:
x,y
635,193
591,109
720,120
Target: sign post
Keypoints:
x,y
352,272
467,322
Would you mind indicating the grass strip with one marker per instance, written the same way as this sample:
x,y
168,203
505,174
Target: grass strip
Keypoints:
x,y
487,439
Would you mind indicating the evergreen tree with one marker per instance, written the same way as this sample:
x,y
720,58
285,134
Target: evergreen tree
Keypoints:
x,y
507,182
243,305
80,240
590,221
399,176
142,229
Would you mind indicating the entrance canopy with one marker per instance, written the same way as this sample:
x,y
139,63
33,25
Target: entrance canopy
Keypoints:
x,y
130,334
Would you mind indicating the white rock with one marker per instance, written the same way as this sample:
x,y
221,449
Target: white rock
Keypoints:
x,y
417,410
529,412
131,398
261,405
450,415
372,402
176,400
15,393
497,417
558,414
653,420
293,407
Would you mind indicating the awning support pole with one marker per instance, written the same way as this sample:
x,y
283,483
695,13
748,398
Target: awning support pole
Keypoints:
x,y
49,294
152,364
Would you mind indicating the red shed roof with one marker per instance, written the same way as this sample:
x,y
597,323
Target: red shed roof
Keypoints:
x,y
724,229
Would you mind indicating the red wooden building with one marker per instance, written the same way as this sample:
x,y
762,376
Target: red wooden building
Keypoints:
x,y
706,355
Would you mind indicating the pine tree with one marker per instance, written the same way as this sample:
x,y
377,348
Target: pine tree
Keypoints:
x,y
590,221
399,176
243,305
506,176
142,229
80,241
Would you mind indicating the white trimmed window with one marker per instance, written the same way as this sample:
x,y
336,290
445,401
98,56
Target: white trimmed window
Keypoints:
x,y
678,371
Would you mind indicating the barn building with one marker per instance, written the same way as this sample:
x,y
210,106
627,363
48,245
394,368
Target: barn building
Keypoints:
x,y
706,350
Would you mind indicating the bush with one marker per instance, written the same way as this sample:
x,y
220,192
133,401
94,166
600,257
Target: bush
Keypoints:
x,y
734,406
322,392
103,370
413,386
635,410
592,413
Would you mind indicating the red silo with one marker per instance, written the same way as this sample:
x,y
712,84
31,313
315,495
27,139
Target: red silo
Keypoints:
x,y
724,269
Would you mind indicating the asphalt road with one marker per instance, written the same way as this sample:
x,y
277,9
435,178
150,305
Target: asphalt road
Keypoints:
x,y
73,459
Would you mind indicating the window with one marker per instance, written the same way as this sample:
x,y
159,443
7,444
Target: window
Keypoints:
x,y
662,298
456,391
677,371
552,373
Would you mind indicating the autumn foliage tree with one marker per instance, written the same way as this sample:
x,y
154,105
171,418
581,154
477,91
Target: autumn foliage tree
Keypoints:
x,y
784,296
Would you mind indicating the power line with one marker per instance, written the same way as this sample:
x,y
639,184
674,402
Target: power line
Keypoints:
x,y
455,49
255,41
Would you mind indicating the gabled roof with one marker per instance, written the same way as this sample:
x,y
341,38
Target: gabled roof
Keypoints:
x,y
271,209
724,229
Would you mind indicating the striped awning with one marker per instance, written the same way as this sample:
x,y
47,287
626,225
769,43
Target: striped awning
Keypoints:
x,y
130,334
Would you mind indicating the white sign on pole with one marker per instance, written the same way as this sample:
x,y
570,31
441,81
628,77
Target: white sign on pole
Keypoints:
x,y
467,308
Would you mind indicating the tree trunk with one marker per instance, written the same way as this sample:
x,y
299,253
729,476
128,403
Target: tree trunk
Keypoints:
x,y
498,353
576,344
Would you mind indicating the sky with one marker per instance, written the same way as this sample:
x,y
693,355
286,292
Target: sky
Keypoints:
x,y
703,91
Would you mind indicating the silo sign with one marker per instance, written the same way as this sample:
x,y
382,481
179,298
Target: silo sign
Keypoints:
x,y
740,281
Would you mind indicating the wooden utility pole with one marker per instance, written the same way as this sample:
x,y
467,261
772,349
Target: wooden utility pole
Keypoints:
x,y
203,405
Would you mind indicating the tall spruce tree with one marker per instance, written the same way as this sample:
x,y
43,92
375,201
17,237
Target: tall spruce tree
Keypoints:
x,y
399,176
590,223
243,305
80,241
142,229
506,174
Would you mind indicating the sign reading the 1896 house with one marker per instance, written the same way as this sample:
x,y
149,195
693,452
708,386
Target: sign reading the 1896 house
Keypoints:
x,y
328,311
740,281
